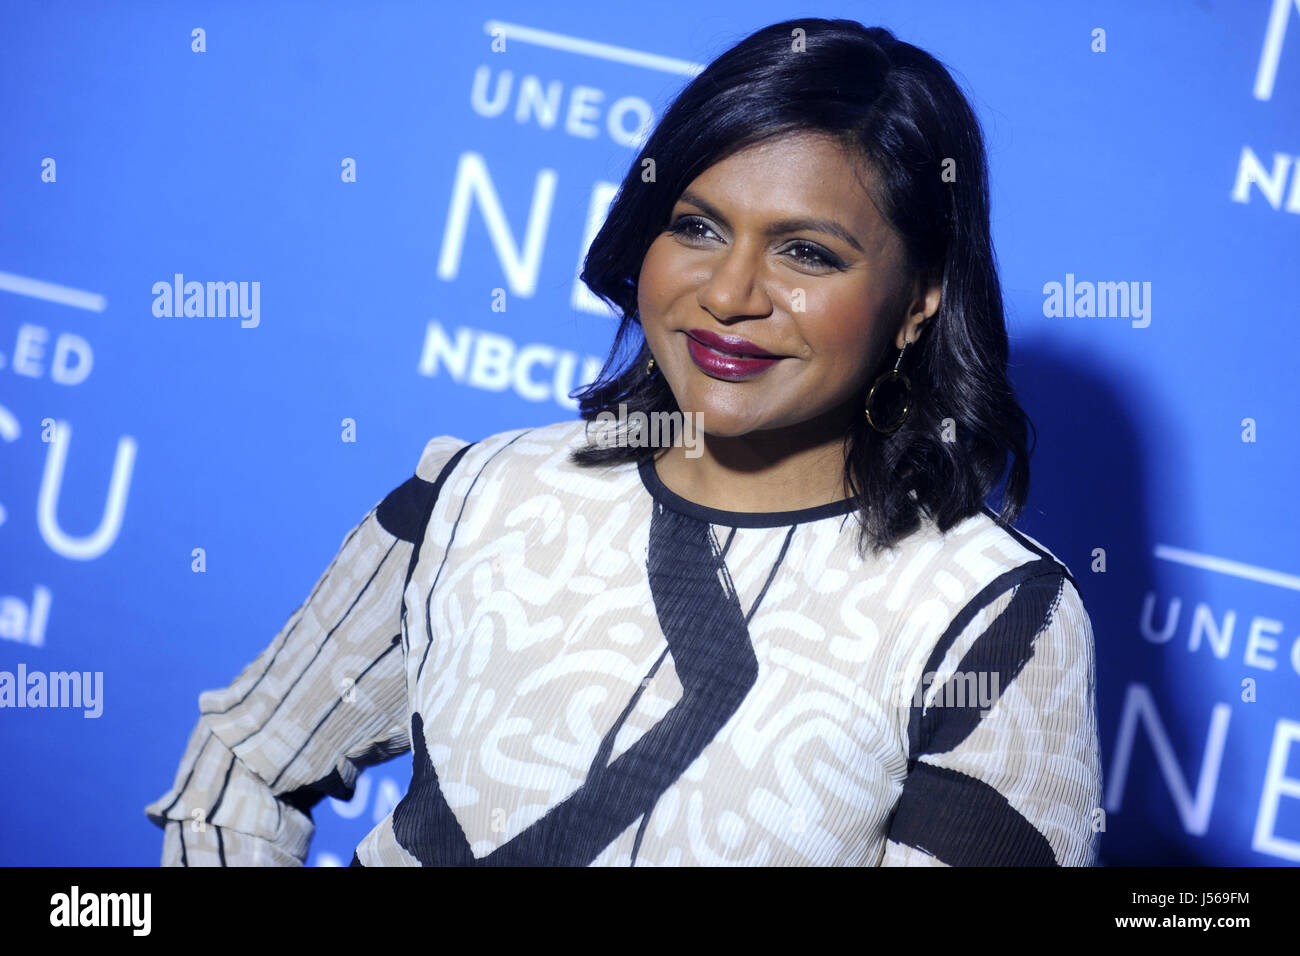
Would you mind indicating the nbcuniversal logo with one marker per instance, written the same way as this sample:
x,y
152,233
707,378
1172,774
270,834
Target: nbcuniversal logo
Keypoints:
x,y
478,358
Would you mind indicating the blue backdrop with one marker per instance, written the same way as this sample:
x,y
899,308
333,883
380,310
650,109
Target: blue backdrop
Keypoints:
x,y
365,175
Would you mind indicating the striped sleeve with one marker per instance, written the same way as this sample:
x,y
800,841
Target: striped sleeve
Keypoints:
x,y
1004,765
324,700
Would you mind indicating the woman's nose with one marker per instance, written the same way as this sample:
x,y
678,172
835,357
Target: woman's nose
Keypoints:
x,y
734,289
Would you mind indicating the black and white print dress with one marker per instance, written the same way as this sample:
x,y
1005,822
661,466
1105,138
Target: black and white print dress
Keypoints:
x,y
592,670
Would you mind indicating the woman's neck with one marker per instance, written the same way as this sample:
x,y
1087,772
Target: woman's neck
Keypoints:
x,y
780,470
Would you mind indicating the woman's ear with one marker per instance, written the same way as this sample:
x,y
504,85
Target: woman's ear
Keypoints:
x,y
925,303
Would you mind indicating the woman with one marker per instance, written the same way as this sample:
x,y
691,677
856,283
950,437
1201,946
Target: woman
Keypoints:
x,y
607,652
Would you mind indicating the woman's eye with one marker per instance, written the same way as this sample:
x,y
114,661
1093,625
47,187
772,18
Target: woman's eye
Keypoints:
x,y
694,230
689,228
808,254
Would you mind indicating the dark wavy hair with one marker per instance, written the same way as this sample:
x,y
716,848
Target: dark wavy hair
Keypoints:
x,y
896,107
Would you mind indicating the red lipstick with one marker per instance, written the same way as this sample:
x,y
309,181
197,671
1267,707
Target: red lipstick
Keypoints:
x,y
728,357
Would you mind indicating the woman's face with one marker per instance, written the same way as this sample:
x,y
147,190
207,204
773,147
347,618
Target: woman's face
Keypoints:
x,y
776,288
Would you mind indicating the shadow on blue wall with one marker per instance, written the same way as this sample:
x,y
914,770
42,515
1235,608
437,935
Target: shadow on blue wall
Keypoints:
x,y
1089,489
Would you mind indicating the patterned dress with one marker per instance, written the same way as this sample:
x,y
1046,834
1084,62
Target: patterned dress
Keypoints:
x,y
592,670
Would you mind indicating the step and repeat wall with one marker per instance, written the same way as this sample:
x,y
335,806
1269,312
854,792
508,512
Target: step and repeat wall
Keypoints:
x,y
254,255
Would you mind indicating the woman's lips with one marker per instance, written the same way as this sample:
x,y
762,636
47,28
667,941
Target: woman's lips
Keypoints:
x,y
733,360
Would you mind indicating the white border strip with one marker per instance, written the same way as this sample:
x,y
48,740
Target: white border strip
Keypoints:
x,y
1209,562
604,51
62,294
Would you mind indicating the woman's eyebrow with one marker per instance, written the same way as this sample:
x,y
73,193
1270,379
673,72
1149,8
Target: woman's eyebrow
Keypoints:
x,y
780,226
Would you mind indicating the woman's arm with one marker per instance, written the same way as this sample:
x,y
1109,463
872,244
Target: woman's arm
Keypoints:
x,y
326,699
1016,782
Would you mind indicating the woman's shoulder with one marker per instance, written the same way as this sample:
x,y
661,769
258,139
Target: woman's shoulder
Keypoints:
x,y
1017,548
978,563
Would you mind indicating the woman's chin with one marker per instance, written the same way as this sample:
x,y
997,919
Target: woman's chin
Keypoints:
x,y
719,427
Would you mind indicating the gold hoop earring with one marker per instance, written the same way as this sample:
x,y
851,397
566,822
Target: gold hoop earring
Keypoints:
x,y
650,368
893,375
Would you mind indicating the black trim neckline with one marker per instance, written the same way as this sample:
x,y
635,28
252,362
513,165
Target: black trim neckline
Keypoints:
x,y
735,519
